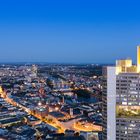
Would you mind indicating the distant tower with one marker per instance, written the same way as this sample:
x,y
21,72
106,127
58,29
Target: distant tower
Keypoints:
x,y
34,69
71,112
63,100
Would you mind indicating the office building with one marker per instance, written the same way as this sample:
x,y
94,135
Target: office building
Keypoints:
x,y
121,100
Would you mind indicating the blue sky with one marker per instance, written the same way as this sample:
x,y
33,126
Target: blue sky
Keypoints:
x,y
70,31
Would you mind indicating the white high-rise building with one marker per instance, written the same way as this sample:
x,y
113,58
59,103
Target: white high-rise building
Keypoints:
x,y
121,100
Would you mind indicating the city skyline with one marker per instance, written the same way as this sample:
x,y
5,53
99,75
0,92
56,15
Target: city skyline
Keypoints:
x,y
68,32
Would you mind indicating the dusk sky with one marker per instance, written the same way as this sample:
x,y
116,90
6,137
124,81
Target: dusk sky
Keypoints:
x,y
69,31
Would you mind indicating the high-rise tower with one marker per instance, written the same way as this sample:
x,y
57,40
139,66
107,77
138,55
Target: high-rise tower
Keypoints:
x,y
121,101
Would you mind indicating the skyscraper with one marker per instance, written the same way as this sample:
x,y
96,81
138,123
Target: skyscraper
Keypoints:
x,y
121,100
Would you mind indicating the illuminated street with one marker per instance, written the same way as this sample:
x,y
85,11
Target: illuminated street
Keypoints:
x,y
56,103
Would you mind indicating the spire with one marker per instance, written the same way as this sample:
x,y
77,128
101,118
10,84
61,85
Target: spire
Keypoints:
x,y
138,58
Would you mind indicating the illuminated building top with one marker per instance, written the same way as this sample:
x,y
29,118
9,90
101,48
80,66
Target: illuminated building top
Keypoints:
x,y
126,66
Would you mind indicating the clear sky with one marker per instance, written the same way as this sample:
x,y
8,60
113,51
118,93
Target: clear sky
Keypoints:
x,y
80,31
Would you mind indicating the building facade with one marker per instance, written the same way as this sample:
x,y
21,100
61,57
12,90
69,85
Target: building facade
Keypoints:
x,y
121,100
